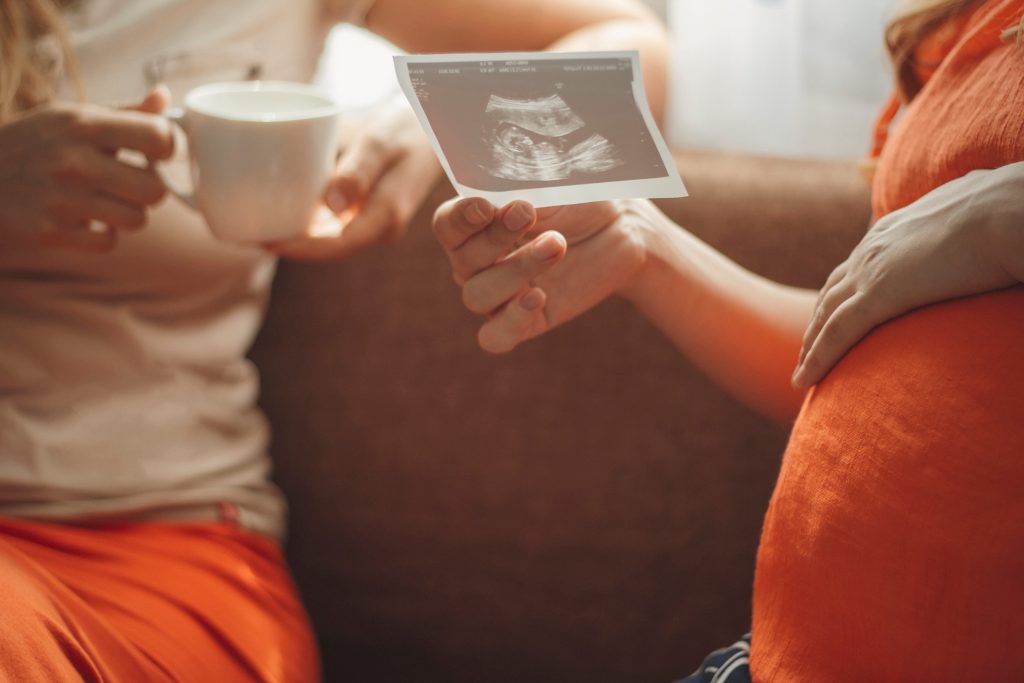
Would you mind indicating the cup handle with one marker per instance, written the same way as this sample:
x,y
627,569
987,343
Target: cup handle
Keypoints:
x,y
176,116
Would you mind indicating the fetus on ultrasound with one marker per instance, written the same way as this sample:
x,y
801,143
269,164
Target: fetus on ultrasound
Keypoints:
x,y
543,140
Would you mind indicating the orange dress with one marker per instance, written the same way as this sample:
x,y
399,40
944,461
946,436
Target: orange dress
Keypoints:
x,y
893,548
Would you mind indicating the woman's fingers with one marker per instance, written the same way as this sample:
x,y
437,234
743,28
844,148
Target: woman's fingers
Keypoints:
x,y
502,257
521,319
68,187
76,210
156,100
476,236
494,243
829,299
125,129
373,223
391,137
82,235
457,220
382,218
830,288
140,186
361,165
114,213
844,327
837,274
379,183
492,288
100,188
393,200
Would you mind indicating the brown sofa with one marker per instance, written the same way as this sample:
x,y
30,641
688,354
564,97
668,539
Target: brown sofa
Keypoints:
x,y
585,508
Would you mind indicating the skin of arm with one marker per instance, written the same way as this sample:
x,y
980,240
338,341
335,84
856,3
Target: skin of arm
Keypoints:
x,y
742,329
746,332
528,25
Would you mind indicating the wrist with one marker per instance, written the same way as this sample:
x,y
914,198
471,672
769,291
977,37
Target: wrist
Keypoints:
x,y
1007,239
649,231
1004,227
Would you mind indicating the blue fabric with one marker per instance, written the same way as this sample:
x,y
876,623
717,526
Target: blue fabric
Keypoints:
x,y
728,665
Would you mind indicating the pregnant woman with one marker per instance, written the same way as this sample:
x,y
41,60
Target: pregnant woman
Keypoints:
x,y
893,547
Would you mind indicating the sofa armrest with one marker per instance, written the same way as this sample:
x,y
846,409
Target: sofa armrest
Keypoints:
x,y
584,508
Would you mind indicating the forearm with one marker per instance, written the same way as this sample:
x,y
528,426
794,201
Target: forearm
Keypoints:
x,y
742,329
526,25
648,37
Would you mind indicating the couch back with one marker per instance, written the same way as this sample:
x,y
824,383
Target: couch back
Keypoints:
x,y
585,508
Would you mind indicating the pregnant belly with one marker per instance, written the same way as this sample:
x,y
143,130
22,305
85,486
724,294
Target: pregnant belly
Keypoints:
x,y
893,548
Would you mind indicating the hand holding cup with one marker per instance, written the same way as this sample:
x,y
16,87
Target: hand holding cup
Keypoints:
x,y
62,183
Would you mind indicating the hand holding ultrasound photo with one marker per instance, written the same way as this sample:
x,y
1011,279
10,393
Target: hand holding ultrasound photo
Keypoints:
x,y
547,128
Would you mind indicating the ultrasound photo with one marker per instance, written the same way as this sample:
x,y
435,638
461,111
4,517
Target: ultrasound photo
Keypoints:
x,y
548,128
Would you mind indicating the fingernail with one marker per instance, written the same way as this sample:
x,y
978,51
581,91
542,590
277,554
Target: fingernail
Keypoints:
x,y
518,217
336,201
797,380
532,300
474,214
547,248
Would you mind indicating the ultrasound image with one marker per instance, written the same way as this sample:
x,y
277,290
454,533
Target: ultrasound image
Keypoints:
x,y
536,139
516,124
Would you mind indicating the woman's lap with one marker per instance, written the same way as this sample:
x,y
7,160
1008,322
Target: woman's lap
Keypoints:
x,y
155,601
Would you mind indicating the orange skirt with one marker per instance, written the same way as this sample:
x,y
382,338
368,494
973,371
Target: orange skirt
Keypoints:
x,y
199,602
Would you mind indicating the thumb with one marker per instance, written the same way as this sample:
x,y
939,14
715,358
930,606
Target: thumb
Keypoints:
x,y
155,101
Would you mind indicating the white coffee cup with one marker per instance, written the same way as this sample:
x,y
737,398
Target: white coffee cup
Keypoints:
x,y
261,153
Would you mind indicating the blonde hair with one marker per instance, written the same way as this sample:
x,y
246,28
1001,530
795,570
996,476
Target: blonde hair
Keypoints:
x,y
917,19
34,45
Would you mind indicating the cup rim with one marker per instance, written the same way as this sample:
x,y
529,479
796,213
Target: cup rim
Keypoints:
x,y
330,106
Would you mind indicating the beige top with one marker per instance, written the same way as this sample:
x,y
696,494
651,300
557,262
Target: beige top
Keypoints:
x,y
124,388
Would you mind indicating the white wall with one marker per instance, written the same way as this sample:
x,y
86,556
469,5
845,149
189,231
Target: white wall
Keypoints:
x,y
786,77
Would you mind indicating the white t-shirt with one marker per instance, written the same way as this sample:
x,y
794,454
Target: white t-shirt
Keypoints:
x,y
124,388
